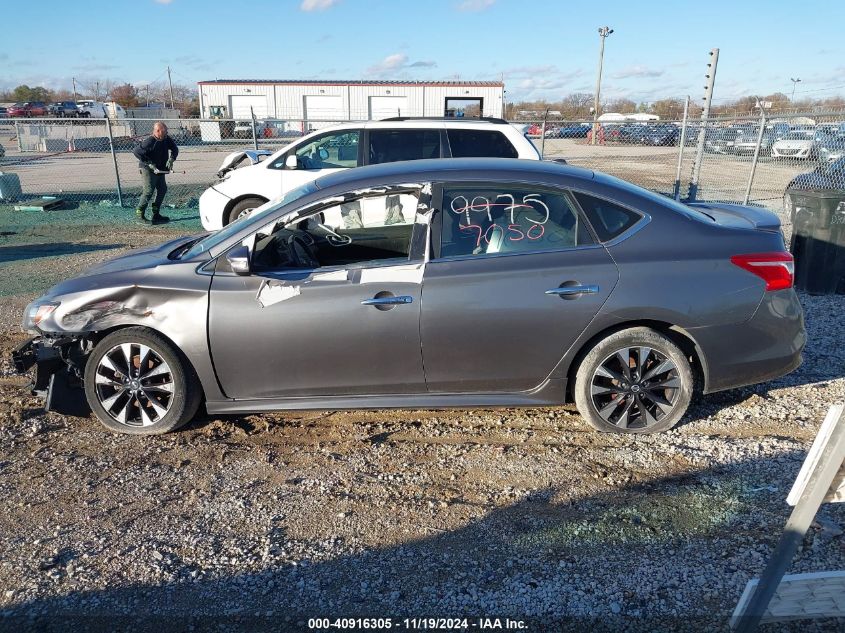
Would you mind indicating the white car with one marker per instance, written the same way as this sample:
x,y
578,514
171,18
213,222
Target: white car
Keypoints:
x,y
796,144
246,185
92,109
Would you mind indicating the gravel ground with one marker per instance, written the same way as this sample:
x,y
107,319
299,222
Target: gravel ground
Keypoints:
x,y
260,522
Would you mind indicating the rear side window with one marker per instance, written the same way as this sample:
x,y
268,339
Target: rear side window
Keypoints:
x,y
499,219
473,143
389,146
608,219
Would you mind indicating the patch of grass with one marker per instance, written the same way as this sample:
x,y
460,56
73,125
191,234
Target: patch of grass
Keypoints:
x,y
51,225
40,248
644,517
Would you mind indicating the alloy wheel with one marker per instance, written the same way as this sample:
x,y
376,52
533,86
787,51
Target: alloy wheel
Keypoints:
x,y
635,387
134,384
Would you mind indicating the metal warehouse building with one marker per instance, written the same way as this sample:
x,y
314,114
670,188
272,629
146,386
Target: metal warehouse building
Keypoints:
x,y
348,100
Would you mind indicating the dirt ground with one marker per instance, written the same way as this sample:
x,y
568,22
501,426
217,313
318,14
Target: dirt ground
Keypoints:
x,y
261,522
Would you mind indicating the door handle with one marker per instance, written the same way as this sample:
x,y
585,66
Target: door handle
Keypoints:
x,y
388,301
568,291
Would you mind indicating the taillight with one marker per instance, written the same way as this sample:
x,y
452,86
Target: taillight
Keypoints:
x,y
776,269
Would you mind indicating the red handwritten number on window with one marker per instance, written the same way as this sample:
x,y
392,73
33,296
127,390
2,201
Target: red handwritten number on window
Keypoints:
x,y
534,232
515,229
469,227
536,235
514,233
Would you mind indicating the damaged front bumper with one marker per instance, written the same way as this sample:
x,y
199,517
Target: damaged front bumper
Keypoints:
x,y
46,359
59,364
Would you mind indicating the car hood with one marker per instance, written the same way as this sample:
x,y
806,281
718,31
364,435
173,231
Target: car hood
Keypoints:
x,y
236,158
148,257
794,144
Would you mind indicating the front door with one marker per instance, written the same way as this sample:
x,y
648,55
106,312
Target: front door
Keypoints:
x,y
517,279
348,326
323,154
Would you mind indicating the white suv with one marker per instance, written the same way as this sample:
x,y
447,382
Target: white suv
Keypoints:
x,y
327,150
92,109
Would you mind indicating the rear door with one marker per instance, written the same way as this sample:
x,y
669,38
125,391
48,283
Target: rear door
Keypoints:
x,y
392,145
515,278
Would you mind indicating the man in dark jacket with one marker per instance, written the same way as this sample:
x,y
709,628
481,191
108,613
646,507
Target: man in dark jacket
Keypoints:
x,y
155,156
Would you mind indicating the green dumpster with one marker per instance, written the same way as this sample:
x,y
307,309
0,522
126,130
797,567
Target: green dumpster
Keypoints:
x,y
818,240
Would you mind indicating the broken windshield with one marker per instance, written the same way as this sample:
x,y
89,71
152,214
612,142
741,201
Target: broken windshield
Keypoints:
x,y
230,229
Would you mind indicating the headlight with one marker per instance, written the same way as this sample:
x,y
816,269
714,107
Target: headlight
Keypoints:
x,y
36,312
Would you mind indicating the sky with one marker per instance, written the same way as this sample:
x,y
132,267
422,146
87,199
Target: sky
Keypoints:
x,y
542,49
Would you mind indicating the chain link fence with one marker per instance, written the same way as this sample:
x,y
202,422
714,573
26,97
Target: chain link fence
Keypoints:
x,y
747,160
751,160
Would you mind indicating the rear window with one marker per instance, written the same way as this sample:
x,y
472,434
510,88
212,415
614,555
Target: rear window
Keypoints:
x,y
608,219
390,146
476,143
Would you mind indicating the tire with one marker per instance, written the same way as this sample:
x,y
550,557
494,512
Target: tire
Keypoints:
x,y
601,381
244,206
172,394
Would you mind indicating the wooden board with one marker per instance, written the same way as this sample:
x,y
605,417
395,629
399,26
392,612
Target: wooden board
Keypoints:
x,y
44,204
800,596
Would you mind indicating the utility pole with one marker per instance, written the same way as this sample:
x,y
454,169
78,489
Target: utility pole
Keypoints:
x,y
97,92
794,81
603,33
504,99
73,79
171,87
705,114
147,88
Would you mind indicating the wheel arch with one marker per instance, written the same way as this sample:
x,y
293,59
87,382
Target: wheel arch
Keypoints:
x,y
678,335
231,204
99,335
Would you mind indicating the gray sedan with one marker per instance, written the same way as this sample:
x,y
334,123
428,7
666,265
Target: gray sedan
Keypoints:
x,y
460,282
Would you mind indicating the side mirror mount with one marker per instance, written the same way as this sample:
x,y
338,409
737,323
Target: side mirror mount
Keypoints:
x,y
238,259
291,162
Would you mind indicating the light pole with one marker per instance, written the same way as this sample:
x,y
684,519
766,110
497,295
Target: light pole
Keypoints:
x,y
603,33
794,81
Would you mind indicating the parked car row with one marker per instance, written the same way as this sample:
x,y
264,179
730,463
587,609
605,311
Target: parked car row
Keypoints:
x,y
85,108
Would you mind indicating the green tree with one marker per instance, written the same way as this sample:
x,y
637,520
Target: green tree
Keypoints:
x,y
25,93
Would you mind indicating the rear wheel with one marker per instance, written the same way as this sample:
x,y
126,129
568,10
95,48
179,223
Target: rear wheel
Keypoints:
x,y
634,381
244,207
136,382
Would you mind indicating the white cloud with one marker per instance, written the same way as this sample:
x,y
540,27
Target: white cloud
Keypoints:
x,y
475,5
637,71
163,1
395,63
317,5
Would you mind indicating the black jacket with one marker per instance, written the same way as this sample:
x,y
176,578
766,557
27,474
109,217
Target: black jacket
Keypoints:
x,y
151,150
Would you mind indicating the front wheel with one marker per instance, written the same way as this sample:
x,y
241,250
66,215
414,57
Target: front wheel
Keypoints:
x,y
137,383
243,208
634,381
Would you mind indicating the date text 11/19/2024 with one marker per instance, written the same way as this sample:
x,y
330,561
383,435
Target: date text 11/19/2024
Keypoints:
x,y
418,624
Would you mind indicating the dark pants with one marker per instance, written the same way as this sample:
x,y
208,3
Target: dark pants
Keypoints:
x,y
152,182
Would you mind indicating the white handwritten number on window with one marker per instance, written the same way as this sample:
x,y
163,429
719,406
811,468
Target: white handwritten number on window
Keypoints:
x,y
513,232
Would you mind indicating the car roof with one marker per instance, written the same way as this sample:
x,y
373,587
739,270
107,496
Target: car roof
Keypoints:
x,y
444,168
435,123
